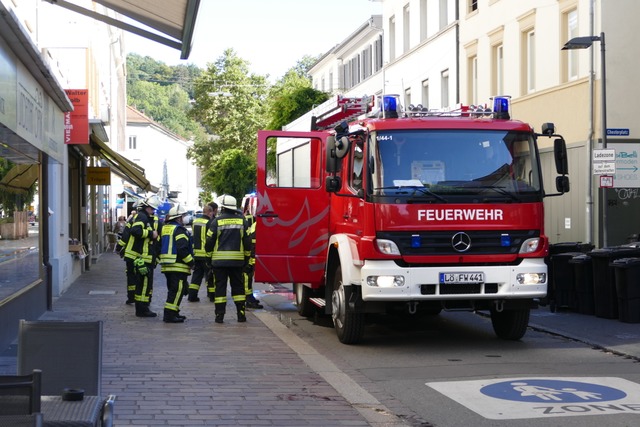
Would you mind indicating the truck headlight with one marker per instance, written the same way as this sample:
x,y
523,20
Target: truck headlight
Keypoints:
x,y
387,247
385,281
531,278
530,245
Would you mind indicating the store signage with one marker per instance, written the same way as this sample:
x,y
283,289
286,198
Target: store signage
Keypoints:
x,y
76,122
98,176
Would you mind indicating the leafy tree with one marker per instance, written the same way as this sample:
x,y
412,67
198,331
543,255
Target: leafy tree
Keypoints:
x,y
234,173
231,103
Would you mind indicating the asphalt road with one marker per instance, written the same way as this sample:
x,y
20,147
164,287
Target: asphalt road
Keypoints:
x,y
451,370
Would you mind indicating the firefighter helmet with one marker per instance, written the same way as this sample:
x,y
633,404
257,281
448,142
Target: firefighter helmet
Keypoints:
x,y
151,202
176,212
228,202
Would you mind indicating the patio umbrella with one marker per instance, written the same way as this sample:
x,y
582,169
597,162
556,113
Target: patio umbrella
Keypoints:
x,y
20,178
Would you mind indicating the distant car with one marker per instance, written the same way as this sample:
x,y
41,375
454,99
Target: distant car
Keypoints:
x,y
32,219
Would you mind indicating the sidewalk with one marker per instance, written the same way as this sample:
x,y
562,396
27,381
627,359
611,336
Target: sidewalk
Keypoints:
x,y
240,374
199,372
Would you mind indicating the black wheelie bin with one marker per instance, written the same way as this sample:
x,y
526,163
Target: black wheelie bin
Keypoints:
x,y
627,276
583,283
604,281
561,291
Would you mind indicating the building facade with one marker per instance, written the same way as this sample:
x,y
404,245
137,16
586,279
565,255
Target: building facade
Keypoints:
x,y
442,53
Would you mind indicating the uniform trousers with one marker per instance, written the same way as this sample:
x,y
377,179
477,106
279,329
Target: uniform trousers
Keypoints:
x,y
234,276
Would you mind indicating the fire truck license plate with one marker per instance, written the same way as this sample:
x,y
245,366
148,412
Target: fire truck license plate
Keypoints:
x,y
461,278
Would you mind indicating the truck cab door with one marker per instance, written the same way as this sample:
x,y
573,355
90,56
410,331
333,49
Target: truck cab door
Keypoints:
x,y
292,215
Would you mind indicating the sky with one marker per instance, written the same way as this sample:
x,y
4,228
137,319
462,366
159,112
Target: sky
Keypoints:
x,y
272,35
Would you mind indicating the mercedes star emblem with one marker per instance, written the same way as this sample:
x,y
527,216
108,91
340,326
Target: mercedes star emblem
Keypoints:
x,y
461,242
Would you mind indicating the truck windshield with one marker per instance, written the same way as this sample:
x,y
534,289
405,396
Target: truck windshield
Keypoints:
x,y
442,164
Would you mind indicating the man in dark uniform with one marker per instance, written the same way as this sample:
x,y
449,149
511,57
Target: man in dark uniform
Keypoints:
x,y
141,254
229,242
176,261
202,258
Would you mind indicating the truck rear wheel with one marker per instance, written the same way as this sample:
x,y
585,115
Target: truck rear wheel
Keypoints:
x,y
303,293
349,325
510,324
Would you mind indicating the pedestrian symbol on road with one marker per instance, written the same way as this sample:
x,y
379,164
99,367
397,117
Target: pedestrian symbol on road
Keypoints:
x,y
541,397
557,391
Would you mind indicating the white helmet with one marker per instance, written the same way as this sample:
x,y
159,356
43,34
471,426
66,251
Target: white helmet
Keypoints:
x,y
152,202
176,212
228,202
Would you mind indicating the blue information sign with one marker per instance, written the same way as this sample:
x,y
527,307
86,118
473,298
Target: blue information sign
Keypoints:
x,y
618,132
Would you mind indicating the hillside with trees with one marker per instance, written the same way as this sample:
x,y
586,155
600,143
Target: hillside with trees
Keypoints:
x,y
220,108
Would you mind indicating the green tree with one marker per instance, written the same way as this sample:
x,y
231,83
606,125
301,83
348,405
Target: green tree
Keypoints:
x,y
231,103
234,173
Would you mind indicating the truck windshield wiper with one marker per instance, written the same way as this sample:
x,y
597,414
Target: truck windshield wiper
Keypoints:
x,y
405,189
500,190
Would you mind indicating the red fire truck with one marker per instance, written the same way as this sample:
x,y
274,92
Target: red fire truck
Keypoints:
x,y
378,209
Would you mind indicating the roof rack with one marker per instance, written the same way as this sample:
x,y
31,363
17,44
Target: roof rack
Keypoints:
x,y
345,109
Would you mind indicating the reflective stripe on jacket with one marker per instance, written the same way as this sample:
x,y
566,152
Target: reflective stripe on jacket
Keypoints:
x,y
140,243
228,240
175,250
200,227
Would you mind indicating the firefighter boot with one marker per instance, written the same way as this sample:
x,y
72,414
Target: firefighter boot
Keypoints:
x,y
219,318
142,310
130,298
241,314
193,295
171,316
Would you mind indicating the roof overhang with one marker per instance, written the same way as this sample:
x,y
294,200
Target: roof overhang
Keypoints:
x,y
172,21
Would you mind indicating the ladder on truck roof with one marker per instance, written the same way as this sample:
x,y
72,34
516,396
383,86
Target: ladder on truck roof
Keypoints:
x,y
345,109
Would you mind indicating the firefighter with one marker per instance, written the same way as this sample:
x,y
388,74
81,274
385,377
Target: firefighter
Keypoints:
x,y
176,261
140,254
122,245
247,273
202,258
229,242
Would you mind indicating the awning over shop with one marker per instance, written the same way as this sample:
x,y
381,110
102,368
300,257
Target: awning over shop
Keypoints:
x,y
120,165
174,20
130,194
20,178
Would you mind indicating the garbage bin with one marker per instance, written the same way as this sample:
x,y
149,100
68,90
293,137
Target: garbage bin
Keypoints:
x,y
583,283
561,290
604,282
627,275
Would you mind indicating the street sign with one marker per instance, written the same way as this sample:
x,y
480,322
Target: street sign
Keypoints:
x,y
604,155
606,181
618,132
627,174
604,168
543,397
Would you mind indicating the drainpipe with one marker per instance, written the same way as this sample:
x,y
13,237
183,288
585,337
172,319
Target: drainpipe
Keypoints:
x,y
44,228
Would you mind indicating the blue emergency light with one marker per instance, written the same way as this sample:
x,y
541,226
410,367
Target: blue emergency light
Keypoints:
x,y
390,106
416,241
505,240
501,107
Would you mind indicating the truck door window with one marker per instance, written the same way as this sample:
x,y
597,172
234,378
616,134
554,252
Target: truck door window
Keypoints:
x,y
297,163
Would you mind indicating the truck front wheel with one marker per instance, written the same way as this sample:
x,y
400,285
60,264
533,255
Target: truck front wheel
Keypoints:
x,y
510,324
305,306
349,325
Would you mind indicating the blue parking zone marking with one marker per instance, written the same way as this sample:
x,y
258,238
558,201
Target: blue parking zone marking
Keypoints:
x,y
540,397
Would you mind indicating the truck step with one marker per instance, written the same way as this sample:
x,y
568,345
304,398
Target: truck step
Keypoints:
x,y
320,302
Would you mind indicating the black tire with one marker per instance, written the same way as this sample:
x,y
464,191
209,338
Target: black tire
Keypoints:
x,y
305,307
510,324
349,325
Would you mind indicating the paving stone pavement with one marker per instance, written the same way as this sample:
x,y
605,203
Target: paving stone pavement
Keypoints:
x,y
198,372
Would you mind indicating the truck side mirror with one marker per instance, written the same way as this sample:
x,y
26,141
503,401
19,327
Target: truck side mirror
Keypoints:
x,y
560,154
562,184
333,163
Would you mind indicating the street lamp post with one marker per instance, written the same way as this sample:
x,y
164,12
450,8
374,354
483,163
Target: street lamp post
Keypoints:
x,y
584,43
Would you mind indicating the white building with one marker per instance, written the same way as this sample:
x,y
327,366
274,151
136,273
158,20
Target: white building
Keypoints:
x,y
440,53
152,146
